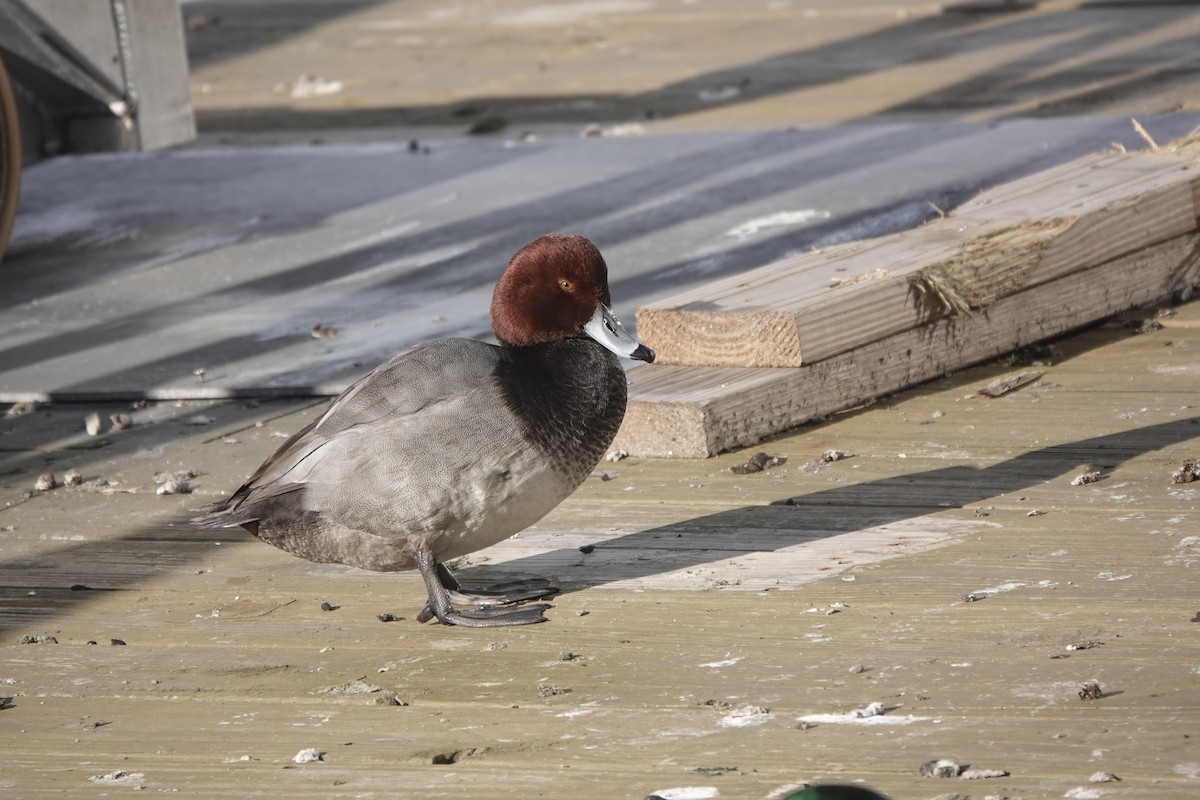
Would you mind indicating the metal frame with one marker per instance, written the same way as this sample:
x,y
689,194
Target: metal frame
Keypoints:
x,y
100,75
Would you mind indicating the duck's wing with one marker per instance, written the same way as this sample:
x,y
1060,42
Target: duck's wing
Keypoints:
x,y
408,385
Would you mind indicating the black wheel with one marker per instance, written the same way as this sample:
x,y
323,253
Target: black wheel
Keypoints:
x,y
10,158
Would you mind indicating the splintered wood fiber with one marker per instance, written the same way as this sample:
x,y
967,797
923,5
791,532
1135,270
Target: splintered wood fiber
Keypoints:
x,y
986,268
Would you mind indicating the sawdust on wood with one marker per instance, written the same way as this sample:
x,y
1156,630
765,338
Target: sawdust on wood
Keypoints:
x,y
985,269
874,275
1185,148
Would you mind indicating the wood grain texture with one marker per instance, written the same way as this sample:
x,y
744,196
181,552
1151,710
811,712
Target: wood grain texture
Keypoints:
x,y
1008,239
704,411
703,595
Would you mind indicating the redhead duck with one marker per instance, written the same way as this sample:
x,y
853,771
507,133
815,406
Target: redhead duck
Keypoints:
x,y
457,444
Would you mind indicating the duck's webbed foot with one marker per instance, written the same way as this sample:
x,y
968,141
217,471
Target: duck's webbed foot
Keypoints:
x,y
487,602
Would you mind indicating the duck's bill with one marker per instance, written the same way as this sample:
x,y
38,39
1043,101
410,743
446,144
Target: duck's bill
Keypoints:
x,y
606,329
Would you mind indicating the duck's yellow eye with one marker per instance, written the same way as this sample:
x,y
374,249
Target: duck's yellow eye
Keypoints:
x,y
566,285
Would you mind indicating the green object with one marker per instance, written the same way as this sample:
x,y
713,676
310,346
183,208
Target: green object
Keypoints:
x,y
834,792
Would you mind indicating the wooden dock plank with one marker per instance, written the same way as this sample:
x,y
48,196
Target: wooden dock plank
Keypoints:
x,y
637,680
1009,239
719,409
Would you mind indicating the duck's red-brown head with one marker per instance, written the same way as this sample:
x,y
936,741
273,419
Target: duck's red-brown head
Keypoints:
x,y
556,287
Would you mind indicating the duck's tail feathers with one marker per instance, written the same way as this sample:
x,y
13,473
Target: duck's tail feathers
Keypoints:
x,y
244,507
221,515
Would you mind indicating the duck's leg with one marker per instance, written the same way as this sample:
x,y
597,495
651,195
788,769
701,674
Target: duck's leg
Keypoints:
x,y
439,602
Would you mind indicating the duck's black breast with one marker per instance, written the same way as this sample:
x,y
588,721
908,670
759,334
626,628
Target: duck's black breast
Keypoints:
x,y
568,398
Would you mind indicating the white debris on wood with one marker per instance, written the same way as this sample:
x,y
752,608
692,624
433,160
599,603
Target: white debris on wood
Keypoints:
x,y
940,768
685,793
308,755
312,86
120,778
872,710
353,687
779,219
979,594
745,717
872,714
717,95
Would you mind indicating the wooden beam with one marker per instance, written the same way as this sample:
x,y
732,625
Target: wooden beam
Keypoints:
x,y
695,412
1009,239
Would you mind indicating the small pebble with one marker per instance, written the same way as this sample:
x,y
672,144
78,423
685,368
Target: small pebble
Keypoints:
x,y
45,482
308,755
1149,326
388,616
37,638
1103,777
72,477
1085,478
1187,473
940,768
320,331
327,606
757,463
19,409
1090,691
118,642
616,455
857,669
134,780
177,476
832,455
872,710
174,487
1086,645
121,422
91,424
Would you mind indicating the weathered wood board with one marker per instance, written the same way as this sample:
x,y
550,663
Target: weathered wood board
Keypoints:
x,y
1009,239
693,412
694,647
